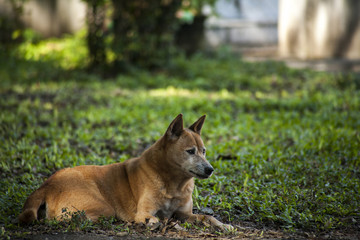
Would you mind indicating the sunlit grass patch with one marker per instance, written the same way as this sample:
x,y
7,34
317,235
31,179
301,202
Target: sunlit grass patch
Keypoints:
x,y
67,53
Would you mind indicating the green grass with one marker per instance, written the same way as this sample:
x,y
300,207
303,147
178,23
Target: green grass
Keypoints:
x,y
285,144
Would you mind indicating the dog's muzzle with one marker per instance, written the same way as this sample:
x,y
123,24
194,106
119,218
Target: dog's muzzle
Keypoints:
x,y
205,172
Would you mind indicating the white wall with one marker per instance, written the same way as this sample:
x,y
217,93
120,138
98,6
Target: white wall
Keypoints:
x,y
243,23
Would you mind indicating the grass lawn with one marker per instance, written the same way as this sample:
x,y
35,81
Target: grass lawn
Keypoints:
x,y
285,144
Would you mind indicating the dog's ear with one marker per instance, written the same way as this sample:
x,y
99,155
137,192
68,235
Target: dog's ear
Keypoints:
x,y
175,128
196,127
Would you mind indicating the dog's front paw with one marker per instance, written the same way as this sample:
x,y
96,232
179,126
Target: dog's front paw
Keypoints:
x,y
147,219
152,220
227,228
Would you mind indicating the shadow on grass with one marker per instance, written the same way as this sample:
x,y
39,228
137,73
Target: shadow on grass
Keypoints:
x,y
17,70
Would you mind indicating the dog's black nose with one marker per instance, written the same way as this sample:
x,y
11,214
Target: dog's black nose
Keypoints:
x,y
208,170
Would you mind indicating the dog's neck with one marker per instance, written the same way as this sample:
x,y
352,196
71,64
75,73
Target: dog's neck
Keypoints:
x,y
175,180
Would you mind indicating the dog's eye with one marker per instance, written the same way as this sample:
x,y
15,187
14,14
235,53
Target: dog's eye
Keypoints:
x,y
191,151
204,151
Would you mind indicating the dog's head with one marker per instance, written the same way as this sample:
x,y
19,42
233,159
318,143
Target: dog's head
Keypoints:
x,y
185,148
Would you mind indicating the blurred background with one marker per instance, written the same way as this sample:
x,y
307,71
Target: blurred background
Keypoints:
x,y
324,35
98,81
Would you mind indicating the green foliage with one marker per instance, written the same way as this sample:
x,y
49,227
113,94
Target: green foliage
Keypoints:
x,y
143,33
284,143
126,34
11,28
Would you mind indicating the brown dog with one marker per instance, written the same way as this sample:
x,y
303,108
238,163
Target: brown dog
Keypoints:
x,y
159,183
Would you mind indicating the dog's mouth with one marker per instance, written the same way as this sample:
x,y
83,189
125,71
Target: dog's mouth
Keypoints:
x,y
200,176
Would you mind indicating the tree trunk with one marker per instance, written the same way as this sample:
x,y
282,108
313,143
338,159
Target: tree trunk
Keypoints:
x,y
95,37
311,29
190,36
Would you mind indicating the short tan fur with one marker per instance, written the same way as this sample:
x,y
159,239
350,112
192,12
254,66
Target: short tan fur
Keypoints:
x,y
158,184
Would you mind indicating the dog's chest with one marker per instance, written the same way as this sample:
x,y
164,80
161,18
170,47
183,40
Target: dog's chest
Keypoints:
x,y
168,207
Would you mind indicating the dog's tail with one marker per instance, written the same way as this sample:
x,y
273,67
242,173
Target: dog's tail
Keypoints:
x,y
31,206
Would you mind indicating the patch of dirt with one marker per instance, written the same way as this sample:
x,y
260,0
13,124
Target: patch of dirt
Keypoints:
x,y
85,236
168,229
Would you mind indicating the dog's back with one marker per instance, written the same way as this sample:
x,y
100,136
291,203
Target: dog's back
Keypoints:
x,y
82,188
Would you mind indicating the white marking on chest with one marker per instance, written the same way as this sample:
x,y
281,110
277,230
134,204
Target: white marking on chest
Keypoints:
x,y
168,208
187,206
167,205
